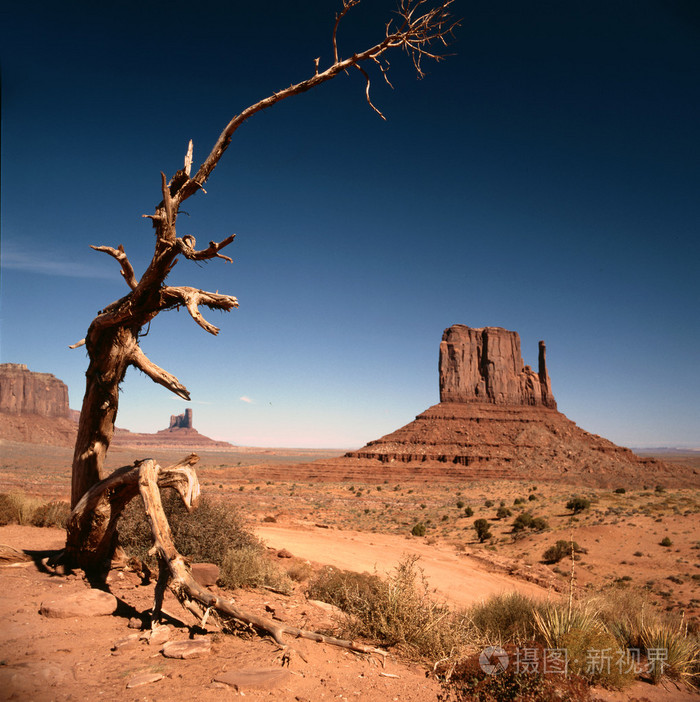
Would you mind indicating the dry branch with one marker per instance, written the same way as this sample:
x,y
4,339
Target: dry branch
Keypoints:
x,y
127,269
188,591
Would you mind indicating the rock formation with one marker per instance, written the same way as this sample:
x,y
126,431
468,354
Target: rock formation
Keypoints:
x,y
181,421
34,409
497,419
485,365
25,392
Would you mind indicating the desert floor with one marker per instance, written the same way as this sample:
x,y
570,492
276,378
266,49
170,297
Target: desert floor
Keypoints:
x,y
361,526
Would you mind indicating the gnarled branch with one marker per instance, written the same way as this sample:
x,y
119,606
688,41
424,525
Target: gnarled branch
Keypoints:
x,y
192,298
139,359
186,248
188,591
421,25
127,269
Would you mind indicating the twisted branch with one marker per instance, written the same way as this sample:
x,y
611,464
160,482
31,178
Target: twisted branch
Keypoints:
x,y
127,269
191,298
157,374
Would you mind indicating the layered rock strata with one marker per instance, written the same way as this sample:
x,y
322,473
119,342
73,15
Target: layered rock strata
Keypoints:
x,y
497,419
485,365
25,392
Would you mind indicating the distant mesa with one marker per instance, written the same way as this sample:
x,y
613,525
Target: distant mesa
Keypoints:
x,y
34,409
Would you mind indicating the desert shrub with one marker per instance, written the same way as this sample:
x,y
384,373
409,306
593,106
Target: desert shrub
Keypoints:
x,y
539,524
269,519
519,501
503,513
506,618
666,542
51,514
248,566
396,611
465,681
482,528
681,651
523,521
578,504
488,503
418,529
460,504
561,549
620,491
301,571
468,512
592,651
206,534
17,508
531,497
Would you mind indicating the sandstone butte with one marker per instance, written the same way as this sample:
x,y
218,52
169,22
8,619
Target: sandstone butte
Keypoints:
x,y
497,419
34,409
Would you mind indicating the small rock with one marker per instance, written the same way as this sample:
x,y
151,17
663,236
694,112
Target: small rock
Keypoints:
x,y
143,679
283,553
206,574
261,678
158,635
126,641
135,623
90,603
192,648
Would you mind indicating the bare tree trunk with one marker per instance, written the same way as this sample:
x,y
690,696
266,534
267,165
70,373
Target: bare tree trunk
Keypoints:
x,y
112,338
108,364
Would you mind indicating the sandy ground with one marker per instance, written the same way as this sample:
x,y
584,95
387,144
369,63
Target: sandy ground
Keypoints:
x,y
46,659
456,577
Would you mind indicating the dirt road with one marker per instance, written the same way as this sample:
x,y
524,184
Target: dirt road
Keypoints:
x,y
459,578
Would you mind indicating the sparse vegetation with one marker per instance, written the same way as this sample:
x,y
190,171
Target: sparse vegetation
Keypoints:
x,y
503,513
482,528
418,529
18,508
578,504
666,541
561,549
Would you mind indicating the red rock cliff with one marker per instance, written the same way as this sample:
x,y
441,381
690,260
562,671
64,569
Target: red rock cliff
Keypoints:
x,y
485,365
25,392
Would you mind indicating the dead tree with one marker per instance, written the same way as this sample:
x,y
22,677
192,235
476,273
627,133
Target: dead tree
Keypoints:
x,y
112,340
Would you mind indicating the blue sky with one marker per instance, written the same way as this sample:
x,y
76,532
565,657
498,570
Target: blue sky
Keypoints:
x,y
545,178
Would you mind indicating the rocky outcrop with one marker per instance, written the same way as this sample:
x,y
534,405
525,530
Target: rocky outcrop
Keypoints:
x,y
485,365
497,419
25,392
181,421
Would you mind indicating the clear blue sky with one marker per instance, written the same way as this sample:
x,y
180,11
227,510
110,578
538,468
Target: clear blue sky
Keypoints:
x,y
545,178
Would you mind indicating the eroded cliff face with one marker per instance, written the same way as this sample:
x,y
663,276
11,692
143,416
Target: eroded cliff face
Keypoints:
x,y
25,392
486,365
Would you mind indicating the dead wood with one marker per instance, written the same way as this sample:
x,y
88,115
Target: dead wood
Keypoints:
x,y
175,572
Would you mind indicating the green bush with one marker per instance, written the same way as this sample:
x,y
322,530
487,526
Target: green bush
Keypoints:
x,y
561,549
418,529
522,521
503,513
666,542
468,512
482,528
578,504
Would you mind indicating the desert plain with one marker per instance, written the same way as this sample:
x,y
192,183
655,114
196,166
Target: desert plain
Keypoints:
x,y
358,525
